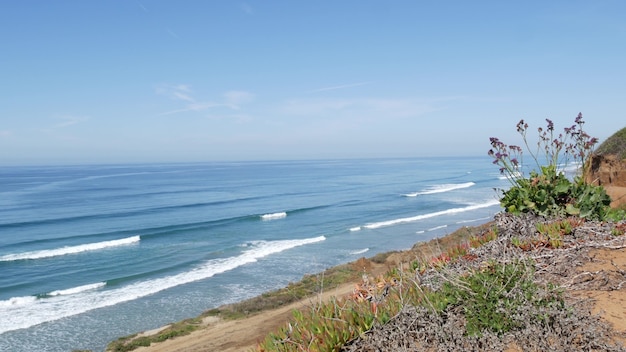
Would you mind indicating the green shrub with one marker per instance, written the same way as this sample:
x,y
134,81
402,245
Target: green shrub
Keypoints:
x,y
616,215
616,145
494,297
132,342
497,297
381,258
329,326
548,192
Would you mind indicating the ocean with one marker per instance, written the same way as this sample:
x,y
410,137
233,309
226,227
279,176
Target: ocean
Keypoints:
x,y
91,253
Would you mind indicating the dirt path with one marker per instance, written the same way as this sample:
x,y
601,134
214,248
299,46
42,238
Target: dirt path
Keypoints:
x,y
242,334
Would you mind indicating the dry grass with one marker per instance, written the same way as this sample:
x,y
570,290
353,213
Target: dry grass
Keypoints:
x,y
567,327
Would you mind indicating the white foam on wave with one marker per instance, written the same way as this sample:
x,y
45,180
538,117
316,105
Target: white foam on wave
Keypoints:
x,y
356,228
17,301
430,215
78,289
473,220
274,216
514,175
360,251
437,228
47,253
24,312
441,189
570,169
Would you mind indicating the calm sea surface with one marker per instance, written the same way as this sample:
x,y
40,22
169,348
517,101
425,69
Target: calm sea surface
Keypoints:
x,y
92,253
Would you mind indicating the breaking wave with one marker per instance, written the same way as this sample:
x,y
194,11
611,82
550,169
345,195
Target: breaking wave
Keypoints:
x,y
441,189
274,216
376,225
47,253
24,312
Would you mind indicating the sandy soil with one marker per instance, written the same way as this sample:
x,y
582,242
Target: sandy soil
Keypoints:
x,y
238,335
617,194
610,304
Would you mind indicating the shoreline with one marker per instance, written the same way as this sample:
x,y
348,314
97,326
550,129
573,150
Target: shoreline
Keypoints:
x,y
243,333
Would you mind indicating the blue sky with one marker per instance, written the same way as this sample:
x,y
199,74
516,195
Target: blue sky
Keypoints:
x,y
159,81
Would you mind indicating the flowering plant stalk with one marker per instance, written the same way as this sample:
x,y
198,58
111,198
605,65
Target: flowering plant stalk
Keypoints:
x,y
574,145
548,192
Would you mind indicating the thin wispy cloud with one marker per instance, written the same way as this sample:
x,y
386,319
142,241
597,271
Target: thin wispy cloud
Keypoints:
x,y
192,107
234,99
183,96
172,33
246,8
343,86
142,7
68,120
176,92
363,107
231,99
5,133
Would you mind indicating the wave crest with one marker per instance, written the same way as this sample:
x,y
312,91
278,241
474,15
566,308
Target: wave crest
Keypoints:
x,y
273,216
47,253
441,189
429,215
24,312
78,289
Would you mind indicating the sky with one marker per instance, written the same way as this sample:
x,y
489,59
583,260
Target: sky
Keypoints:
x,y
139,81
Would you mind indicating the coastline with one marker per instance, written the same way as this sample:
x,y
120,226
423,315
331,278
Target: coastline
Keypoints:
x,y
243,333
187,235
598,286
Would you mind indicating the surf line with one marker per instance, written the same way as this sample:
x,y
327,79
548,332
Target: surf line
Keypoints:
x,y
424,216
24,312
441,189
47,253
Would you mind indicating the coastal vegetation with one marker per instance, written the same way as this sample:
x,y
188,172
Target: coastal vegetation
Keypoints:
x,y
497,286
311,286
614,145
464,299
548,191
132,342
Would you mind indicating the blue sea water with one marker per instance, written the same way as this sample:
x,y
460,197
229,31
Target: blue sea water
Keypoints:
x,y
94,252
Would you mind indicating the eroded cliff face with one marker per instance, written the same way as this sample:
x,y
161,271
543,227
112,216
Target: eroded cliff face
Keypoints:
x,y
609,171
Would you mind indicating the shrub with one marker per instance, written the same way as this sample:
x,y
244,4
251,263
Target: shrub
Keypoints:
x,y
132,342
547,191
616,145
329,326
494,297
